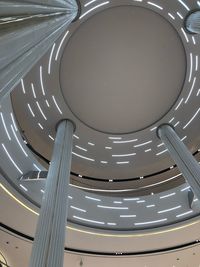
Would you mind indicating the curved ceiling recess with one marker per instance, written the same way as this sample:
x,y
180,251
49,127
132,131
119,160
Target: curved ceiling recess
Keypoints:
x,y
147,36
147,51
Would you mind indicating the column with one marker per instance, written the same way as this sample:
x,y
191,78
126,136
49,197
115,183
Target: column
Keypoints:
x,y
27,31
183,158
192,22
48,246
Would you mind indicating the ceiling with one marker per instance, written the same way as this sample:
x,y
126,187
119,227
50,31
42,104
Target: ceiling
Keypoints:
x,y
119,71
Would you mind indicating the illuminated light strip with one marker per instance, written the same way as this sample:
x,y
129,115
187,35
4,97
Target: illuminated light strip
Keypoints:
x,y
117,202
124,155
51,137
5,128
20,171
89,3
191,90
153,129
198,92
80,156
102,234
50,58
76,136
41,81
104,162
194,40
112,208
70,197
150,206
91,144
131,199
122,162
153,4
162,144
171,120
127,216
79,147
87,220
180,102
147,150
111,224
178,122
185,213
150,222
60,45
75,208
40,126
191,67
182,3
47,103
23,88
179,14
38,105
108,147
90,10
13,120
186,188
169,14
197,63
191,119
126,141
23,187
174,208
18,142
160,153
31,110
169,195
42,191
92,198
37,167
141,201
33,90
185,35
143,144
58,108
114,138
184,138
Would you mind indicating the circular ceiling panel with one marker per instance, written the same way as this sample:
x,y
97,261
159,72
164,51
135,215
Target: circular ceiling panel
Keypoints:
x,y
127,65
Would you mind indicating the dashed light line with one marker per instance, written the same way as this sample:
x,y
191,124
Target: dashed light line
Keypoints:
x,y
127,216
179,14
41,111
81,148
41,81
37,168
180,102
155,5
40,125
144,144
23,187
162,152
60,45
18,141
50,58
89,3
167,210
14,123
171,16
150,222
193,117
125,141
122,162
23,87
11,159
58,108
75,208
90,10
169,195
88,220
191,90
112,208
92,198
185,35
183,4
80,156
124,155
183,214
5,128
30,109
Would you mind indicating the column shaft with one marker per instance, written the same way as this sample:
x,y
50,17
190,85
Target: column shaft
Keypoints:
x,y
192,22
185,161
48,246
33,30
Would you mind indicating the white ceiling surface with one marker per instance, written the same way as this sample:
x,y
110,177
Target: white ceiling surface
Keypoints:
x,y
95,154
19,257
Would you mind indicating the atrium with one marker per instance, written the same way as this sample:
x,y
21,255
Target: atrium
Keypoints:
x,y
100,133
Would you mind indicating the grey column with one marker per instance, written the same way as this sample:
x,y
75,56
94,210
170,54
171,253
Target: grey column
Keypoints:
x,y
48,246
192,22
183,158
27,31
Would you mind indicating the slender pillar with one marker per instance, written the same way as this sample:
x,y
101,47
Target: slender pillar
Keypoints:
x,y
48,246
26,35
192,22
185,161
